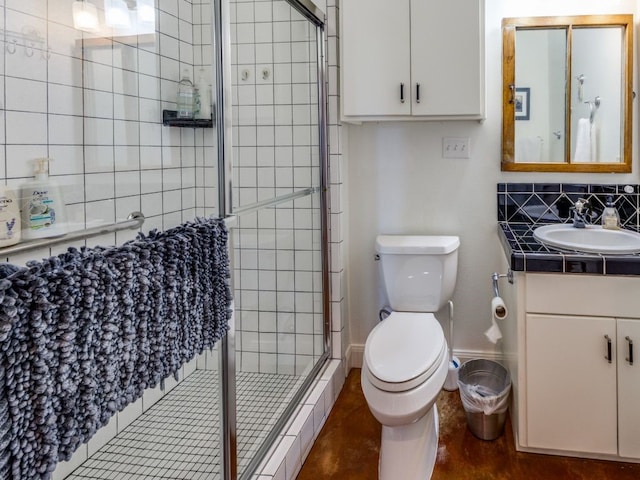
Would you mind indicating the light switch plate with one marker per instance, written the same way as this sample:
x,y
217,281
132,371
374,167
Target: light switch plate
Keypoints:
x,y
456,147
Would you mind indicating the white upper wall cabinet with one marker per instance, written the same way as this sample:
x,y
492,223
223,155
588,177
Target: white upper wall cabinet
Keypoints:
x,y
412,60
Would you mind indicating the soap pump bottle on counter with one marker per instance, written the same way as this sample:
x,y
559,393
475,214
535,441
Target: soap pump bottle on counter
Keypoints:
x,y
43,208
610,217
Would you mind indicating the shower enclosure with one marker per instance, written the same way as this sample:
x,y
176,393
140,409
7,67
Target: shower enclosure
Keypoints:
x,y
92,84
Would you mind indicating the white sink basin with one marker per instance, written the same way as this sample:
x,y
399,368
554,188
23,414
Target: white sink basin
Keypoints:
x,y
591,239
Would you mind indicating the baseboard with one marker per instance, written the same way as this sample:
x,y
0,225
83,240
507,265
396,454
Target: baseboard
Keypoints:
x,y
355,354
464,355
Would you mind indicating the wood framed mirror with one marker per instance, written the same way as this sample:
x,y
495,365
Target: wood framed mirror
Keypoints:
x,y
567,93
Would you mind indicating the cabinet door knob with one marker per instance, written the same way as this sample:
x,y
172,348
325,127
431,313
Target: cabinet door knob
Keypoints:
x,y
630,345
609,356
402,93
417,93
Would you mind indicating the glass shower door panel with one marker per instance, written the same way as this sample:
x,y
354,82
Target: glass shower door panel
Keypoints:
x,y
276,175
275,106
279,317
90,94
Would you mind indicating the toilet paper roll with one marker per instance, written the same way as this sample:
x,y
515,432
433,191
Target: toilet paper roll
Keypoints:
x,y
498,309
498,312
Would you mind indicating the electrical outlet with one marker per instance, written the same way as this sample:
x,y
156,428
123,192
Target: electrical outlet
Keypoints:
x,y
456,147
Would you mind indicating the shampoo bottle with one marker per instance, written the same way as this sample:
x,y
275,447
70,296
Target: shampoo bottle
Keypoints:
x,y
9,217
610,217
43,208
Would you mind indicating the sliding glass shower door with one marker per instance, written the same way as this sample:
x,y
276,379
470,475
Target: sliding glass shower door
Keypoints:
x,y
93,85
277,178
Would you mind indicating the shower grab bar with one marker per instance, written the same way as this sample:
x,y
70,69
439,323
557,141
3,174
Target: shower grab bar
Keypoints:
x,y
133,221
276,201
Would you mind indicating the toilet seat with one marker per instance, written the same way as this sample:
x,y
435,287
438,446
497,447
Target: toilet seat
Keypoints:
x,y
404,350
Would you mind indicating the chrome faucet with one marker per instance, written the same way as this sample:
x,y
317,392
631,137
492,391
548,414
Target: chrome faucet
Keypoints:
x,y
581,211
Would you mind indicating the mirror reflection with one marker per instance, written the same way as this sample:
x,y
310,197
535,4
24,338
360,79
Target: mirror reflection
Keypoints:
x,y
540,95
567,93
597,101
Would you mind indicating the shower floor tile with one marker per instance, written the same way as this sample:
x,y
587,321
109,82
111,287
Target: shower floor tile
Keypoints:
x,y
178,438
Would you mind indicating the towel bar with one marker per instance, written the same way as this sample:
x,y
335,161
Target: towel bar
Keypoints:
x,y
133,221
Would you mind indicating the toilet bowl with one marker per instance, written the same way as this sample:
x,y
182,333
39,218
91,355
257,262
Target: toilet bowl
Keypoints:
x,y
405,366
406,359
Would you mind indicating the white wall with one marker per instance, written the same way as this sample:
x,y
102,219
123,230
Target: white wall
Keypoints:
x,y
396,181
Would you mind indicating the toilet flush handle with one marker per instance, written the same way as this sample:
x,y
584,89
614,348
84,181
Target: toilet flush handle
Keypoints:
x,y
384,313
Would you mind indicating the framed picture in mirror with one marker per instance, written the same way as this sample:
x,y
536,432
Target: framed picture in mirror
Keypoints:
x,y
522,103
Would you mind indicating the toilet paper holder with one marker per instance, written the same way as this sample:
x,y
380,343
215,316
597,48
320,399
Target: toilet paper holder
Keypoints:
x,y
495,276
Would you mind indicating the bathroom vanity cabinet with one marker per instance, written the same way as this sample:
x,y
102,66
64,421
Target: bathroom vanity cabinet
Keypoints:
x,y
569,346
412,60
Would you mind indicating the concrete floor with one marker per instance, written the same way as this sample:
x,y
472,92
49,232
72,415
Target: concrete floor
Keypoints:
x,y
348,446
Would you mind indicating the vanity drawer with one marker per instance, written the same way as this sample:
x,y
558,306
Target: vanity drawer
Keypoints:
x,y
610,296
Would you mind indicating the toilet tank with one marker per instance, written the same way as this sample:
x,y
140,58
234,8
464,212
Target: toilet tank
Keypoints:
x,y
419,271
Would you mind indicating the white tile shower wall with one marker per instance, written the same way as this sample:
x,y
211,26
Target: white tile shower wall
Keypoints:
x,y
204,171
94,105
277,283
337,216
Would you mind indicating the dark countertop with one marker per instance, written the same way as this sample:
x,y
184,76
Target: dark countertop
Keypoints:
x,y
525,254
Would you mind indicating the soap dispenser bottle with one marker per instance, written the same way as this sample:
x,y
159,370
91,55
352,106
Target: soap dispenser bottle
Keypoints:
x,y
43,208
610,217
9,217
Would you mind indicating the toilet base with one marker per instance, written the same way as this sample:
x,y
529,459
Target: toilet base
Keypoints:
x,y
408,452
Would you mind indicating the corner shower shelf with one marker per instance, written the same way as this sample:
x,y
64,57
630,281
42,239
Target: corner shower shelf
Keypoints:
x,y
170,119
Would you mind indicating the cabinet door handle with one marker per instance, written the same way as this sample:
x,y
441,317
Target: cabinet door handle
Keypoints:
x,y
417,93
608,356
512,88
630,344
402,93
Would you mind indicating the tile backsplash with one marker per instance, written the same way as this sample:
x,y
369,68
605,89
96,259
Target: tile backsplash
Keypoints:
x,y
539,203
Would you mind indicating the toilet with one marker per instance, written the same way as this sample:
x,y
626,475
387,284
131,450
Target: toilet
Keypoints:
x,y
405,356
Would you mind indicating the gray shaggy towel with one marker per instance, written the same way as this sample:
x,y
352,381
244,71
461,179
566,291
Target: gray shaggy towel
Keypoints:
x,y
83,334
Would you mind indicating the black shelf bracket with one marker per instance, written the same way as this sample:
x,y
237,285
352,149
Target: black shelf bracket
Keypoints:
x,y
170,119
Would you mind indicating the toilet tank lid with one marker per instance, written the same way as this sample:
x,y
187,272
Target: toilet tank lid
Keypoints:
x,y
417,244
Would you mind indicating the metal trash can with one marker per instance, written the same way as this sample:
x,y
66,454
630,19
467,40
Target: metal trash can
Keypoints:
x,y
484,391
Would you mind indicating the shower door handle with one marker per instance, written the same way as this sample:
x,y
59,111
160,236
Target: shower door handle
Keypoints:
x,y
417,93
402,93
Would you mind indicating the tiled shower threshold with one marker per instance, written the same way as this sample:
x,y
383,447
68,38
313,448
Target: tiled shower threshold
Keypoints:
x,y
178,438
